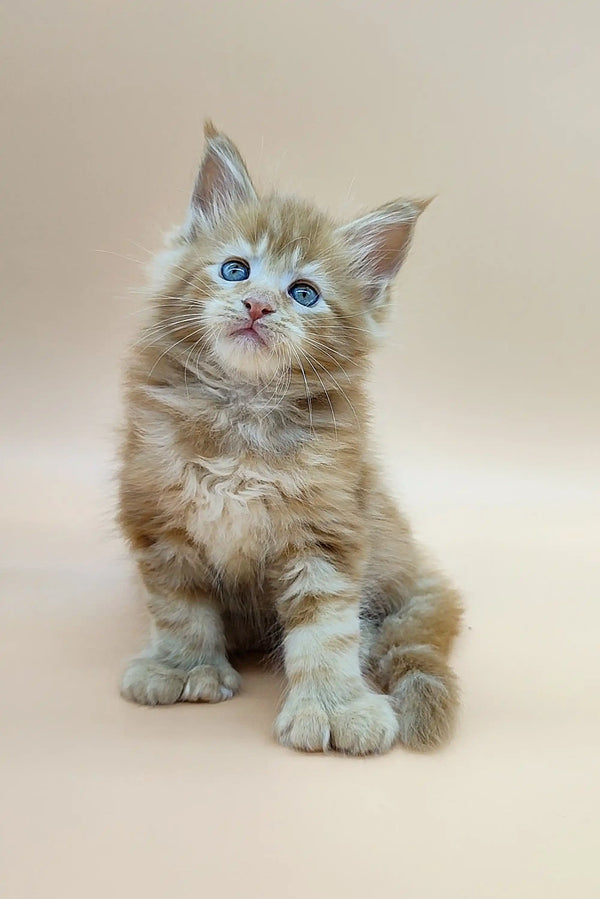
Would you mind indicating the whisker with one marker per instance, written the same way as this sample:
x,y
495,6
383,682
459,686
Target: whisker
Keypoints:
x,y
276,374
201,343
172,347
163,329
340,388
186,364
140,247
321,348
307,357
308,400
293,240
285,376
119,256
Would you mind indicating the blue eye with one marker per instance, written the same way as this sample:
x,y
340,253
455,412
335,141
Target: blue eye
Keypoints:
x,y
235,270
303,293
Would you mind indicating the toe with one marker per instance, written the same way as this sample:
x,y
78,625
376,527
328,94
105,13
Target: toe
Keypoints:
x,y
230,679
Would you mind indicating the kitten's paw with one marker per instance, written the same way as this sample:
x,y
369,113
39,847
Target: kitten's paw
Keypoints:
x,y
151,683
211,683
366,725
363,725
303,725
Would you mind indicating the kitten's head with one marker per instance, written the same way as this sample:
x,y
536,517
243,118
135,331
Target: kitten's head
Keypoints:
x,y
268,285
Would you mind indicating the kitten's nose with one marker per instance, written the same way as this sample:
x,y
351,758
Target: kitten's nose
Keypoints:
x,y
257,308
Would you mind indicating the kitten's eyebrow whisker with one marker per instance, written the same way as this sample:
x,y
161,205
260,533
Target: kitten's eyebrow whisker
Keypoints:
x,y
173,265
293,240
140,246
144,263
120,256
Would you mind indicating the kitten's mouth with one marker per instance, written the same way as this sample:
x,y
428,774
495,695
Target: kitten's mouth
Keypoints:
x,y
249,334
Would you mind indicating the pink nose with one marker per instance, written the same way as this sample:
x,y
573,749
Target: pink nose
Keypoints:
x,y
257,309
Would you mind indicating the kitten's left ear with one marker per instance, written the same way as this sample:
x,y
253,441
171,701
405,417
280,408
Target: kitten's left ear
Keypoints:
x,y
222,180
380,241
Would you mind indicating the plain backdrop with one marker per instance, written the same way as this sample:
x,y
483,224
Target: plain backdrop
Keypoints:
x,y
486,407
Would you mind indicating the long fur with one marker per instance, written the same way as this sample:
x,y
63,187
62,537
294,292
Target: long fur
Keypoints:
x,y
248,493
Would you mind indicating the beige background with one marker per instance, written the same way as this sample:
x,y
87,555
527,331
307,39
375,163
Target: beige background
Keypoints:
x,y
487,409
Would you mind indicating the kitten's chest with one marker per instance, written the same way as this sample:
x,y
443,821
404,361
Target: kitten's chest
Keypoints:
x,y
237,509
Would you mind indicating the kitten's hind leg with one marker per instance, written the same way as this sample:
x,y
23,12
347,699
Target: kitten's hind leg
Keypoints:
x,y
408,660
186,660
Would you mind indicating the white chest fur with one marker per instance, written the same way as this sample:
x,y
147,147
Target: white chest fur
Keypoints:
x,y
235,508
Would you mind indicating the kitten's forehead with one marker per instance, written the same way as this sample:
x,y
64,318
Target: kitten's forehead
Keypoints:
x,y
262,256
288,234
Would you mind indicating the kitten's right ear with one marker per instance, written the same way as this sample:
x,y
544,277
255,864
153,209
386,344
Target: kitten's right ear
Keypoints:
x,y
222,181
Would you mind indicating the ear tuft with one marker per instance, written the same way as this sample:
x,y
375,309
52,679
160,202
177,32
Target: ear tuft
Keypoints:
x,y
209,129
423,204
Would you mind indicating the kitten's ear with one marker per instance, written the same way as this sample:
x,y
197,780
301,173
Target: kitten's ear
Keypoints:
x,y
380,241
222,180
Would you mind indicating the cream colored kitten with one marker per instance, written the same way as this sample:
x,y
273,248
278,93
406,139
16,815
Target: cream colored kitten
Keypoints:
x,y
247,491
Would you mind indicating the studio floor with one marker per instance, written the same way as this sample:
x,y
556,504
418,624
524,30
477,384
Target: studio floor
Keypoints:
x,y
101,798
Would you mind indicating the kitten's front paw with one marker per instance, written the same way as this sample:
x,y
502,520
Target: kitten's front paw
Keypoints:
x,y
363,725
303,725
211,683
151,683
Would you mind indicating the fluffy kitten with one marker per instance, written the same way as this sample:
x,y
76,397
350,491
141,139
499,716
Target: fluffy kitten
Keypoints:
x,y
247,490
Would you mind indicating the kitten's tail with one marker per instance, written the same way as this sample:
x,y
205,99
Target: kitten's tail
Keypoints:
x,y
409,661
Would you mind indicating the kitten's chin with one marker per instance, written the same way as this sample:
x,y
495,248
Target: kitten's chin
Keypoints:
x,y
246,356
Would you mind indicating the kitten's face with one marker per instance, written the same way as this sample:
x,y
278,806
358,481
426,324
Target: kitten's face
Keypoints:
x,y
270,287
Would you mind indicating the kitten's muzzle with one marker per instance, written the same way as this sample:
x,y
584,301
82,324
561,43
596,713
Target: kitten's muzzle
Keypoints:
x,y
257,307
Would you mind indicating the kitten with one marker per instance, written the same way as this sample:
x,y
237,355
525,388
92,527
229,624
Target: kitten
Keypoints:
x,y
248,493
